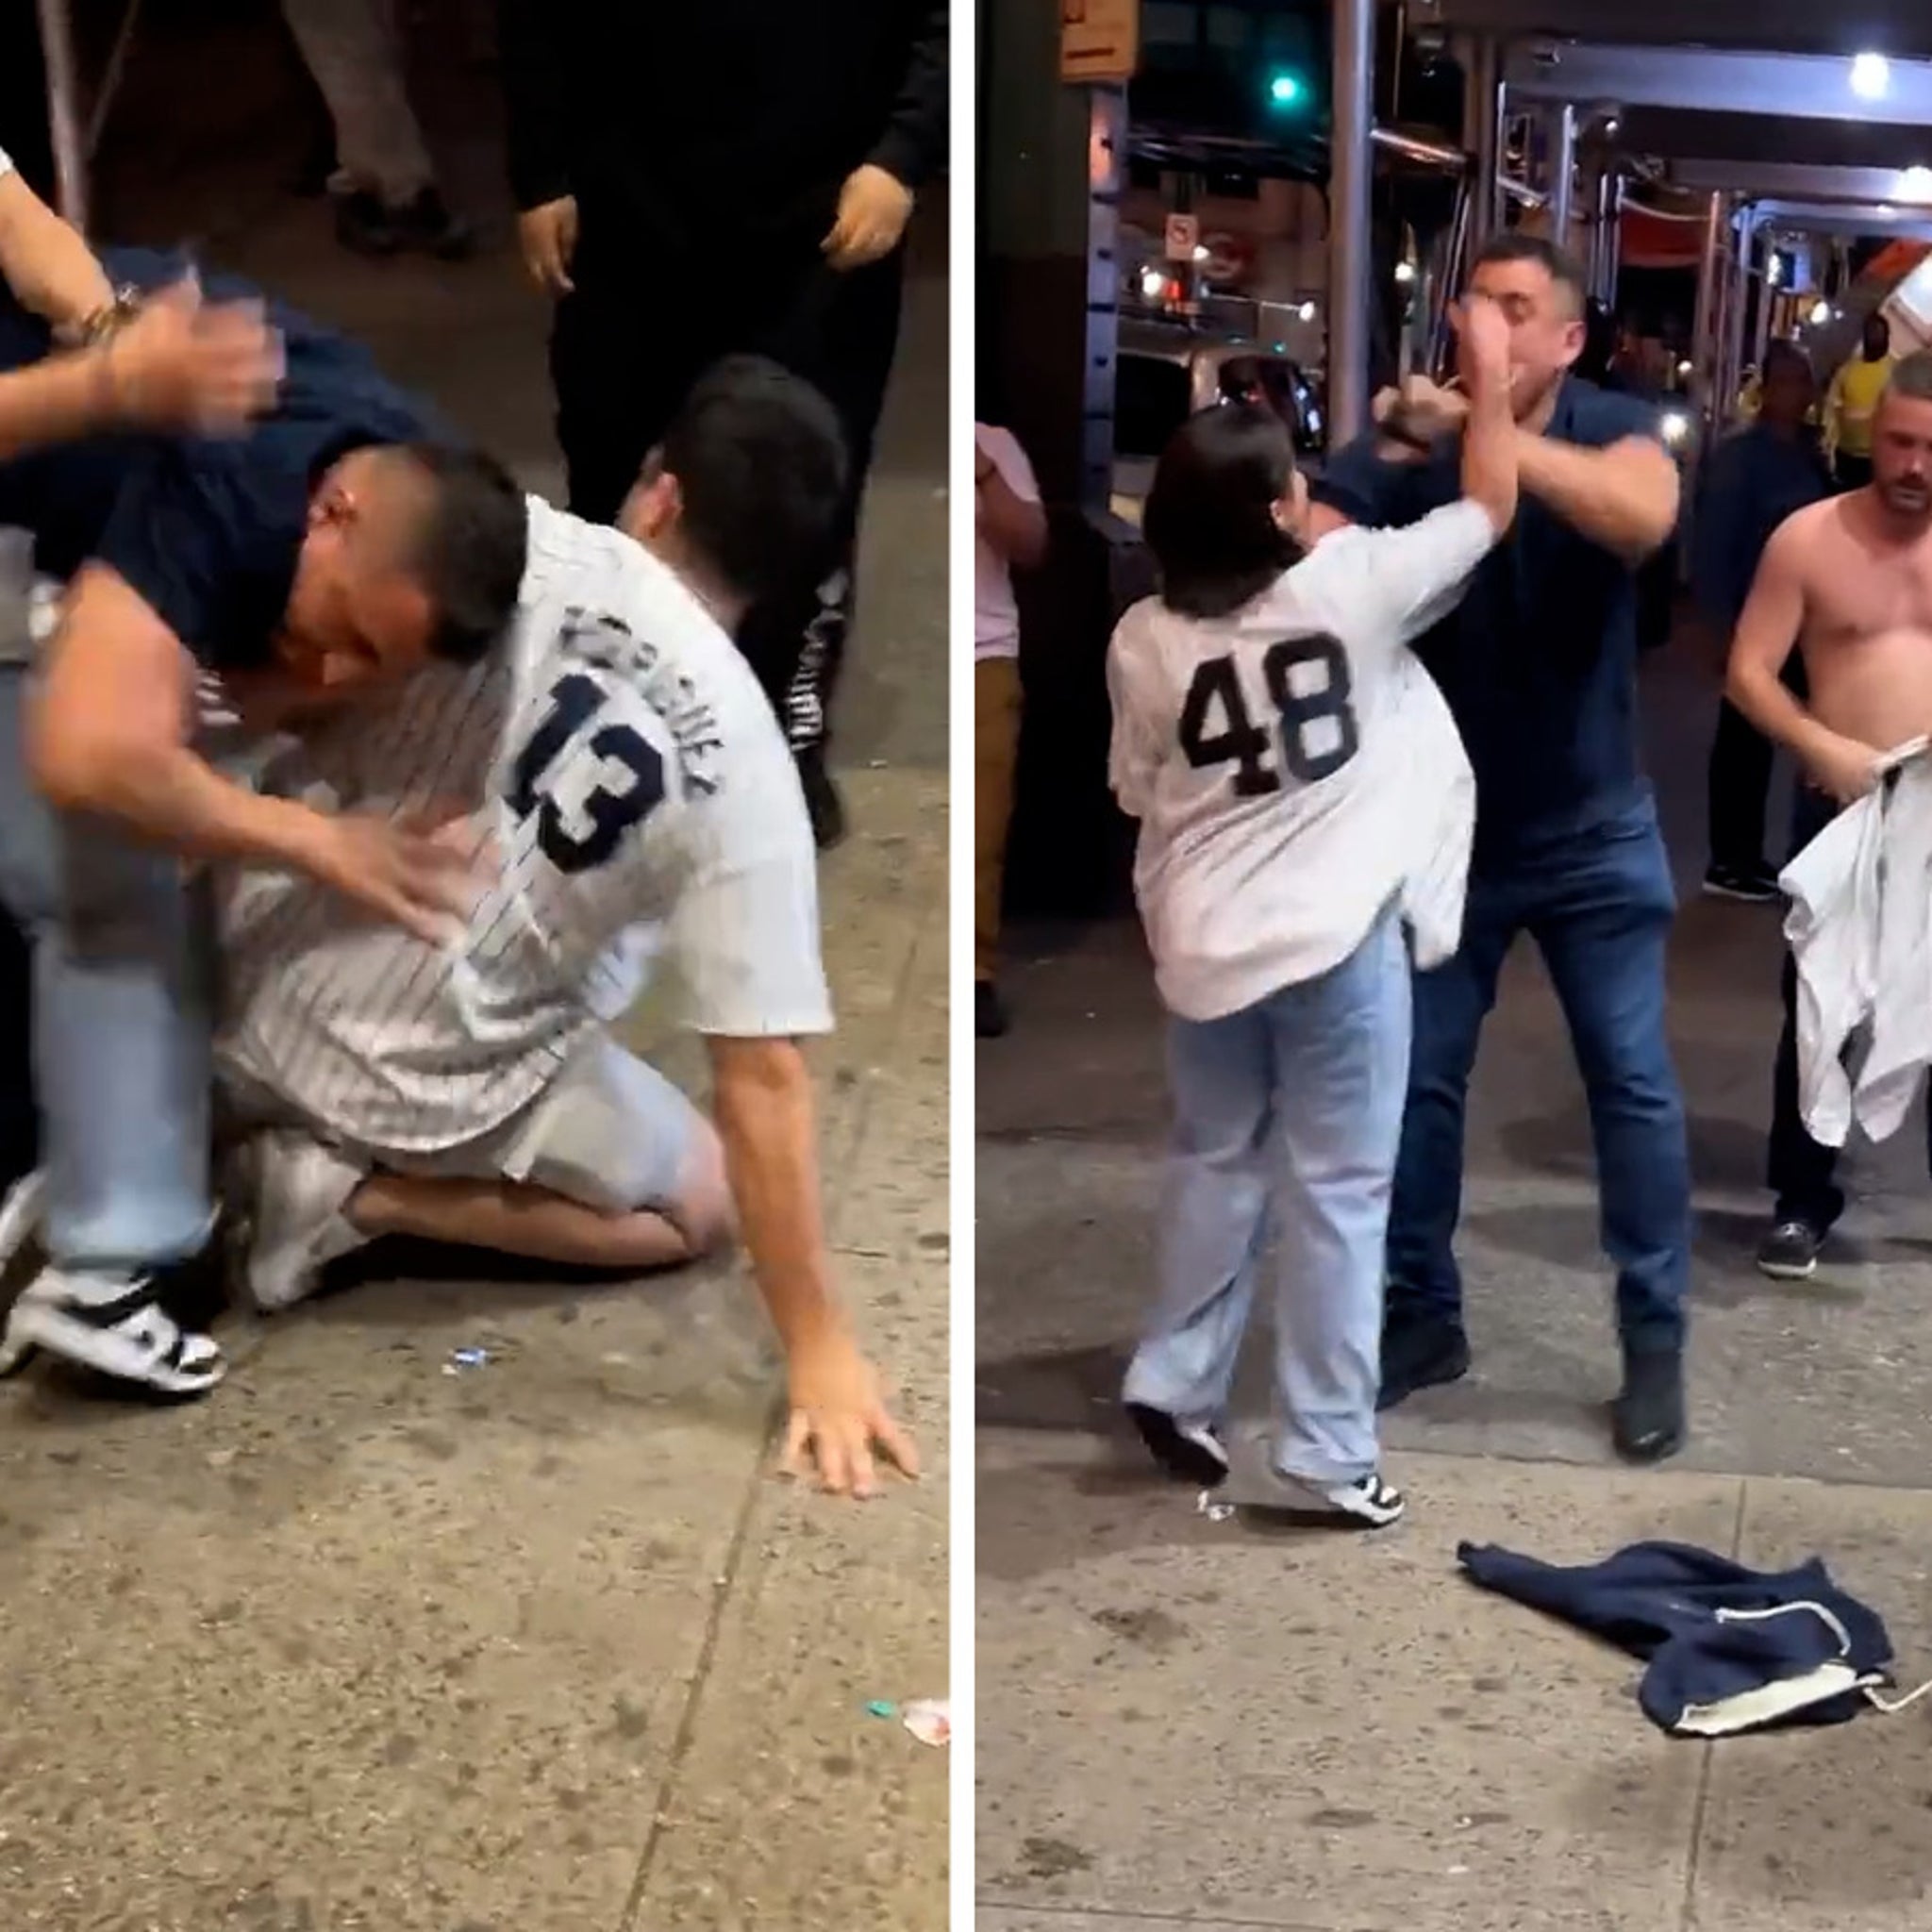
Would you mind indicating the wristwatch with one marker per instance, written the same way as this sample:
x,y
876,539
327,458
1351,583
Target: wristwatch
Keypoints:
x,y
92,330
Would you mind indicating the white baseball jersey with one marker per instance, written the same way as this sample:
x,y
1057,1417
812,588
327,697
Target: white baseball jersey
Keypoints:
x,y
643,800
1860,932
1295,768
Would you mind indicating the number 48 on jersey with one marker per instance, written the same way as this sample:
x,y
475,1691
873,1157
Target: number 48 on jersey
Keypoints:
x,y
1315,728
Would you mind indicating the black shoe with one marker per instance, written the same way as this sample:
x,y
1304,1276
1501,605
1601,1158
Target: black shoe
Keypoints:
x,y
1647,1420
1754,885
989,1011
1420,1351
364,226
1789,1251
1191,1451
427,225
822,800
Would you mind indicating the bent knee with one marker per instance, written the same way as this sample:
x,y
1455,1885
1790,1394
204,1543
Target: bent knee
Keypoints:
x,y
702,1209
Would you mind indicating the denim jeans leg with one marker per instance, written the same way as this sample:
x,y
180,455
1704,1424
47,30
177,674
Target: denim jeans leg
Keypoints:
x,y
1342,1075
121,1026
1214,1215
1450,1004
1602,921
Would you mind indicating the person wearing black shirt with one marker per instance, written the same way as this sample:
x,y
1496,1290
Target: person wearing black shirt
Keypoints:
x,y
316,559
698,181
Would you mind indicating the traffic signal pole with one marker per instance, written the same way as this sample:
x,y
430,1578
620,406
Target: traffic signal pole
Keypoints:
x,y
1351,169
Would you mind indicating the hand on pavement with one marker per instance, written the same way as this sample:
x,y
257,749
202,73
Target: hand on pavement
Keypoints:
x,y
183,363
874,208
838,1417
548,236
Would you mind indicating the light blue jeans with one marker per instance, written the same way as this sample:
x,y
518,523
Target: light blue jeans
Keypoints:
x,y
1294,1103
121,1023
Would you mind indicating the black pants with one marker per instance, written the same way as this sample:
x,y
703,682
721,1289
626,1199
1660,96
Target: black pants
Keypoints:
x,y
1801,1172
638,333
1739,781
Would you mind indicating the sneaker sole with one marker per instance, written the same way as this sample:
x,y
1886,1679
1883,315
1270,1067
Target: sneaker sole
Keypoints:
x,y
1739,898
1317,1510
34,1328
1789,1271
1180,1455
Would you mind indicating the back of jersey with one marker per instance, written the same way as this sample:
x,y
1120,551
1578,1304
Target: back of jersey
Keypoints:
x,y
640,798
1281,757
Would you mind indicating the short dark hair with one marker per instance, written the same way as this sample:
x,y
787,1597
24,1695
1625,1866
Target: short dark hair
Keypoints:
x,y
468,547
1209,518
1782,353
1561,266
762,470
1911,376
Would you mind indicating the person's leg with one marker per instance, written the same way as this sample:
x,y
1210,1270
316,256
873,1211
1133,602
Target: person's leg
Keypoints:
x,y
839,332
1211,1226
1739,782
995,747
1341,1047
612,1168
122,1064
1422,1337
1801,1172
1603,921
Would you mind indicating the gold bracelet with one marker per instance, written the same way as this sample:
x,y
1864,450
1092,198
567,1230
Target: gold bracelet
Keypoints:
x,y
95,329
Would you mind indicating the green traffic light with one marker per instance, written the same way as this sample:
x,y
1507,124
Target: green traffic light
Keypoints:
x,y
1284,90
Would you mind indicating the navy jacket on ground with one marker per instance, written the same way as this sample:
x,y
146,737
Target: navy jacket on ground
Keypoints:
x,y
1729,1649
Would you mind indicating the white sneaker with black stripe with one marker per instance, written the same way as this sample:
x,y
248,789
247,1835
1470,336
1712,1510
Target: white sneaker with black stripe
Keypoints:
x,y
113,1325
1368,1501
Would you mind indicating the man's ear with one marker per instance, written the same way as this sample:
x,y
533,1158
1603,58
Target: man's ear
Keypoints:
x,y
653,507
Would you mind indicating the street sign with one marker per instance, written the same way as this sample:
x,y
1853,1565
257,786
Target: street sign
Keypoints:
x,y
1100,39
1183,237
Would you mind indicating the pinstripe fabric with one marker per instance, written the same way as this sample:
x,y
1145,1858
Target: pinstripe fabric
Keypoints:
x,y
1295,768
643,804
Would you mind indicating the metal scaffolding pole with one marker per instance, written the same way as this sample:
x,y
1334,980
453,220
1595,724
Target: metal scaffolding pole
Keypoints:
x,y
1767,295
1562,172
1746,245
1703,375
1482,123
63,111
1351,169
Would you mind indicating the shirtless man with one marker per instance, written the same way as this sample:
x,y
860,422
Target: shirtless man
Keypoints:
x,y
1849,581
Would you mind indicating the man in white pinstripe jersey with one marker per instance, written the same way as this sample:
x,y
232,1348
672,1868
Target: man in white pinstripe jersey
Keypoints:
x,y
638,797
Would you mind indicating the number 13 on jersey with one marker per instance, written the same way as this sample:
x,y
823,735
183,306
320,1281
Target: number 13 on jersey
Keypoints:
x,y
1315,727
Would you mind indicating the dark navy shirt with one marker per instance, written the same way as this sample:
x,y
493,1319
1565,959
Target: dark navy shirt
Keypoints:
x,y
207,529
1750,483
1538,661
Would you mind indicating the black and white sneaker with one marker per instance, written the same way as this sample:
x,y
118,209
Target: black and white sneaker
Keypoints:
x,y
1194,1451
1368,1503
1749,885
113,1325
1789,1251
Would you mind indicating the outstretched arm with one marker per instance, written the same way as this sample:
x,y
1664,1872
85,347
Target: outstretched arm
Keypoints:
x,y
45,263
1624,497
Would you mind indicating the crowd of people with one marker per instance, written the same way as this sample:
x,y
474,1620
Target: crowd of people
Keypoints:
x,y
346,791
1376,727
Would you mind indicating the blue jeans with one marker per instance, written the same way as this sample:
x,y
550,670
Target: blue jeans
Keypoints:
x,y
1599,905
121,1025
1294,1102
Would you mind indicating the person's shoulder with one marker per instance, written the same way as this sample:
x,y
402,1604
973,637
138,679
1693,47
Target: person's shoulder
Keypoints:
x,y
1593,416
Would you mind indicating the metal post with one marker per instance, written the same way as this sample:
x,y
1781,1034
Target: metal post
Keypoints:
x,y
1562,173
63,111
1767,297
1741,300
1351,164
1704,330
1482,123
1106,169
1613,249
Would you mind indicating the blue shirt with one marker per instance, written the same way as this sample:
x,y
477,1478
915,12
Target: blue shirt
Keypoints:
x,y
1752,482
1538,661
207,530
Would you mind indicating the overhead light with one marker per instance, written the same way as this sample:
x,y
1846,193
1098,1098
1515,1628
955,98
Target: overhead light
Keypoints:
x,y
1916,182
1152,281
1405,272
1686,366
1306,311
1676,426
1200,251
1774,270
1612,125
1871,76
1821,313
